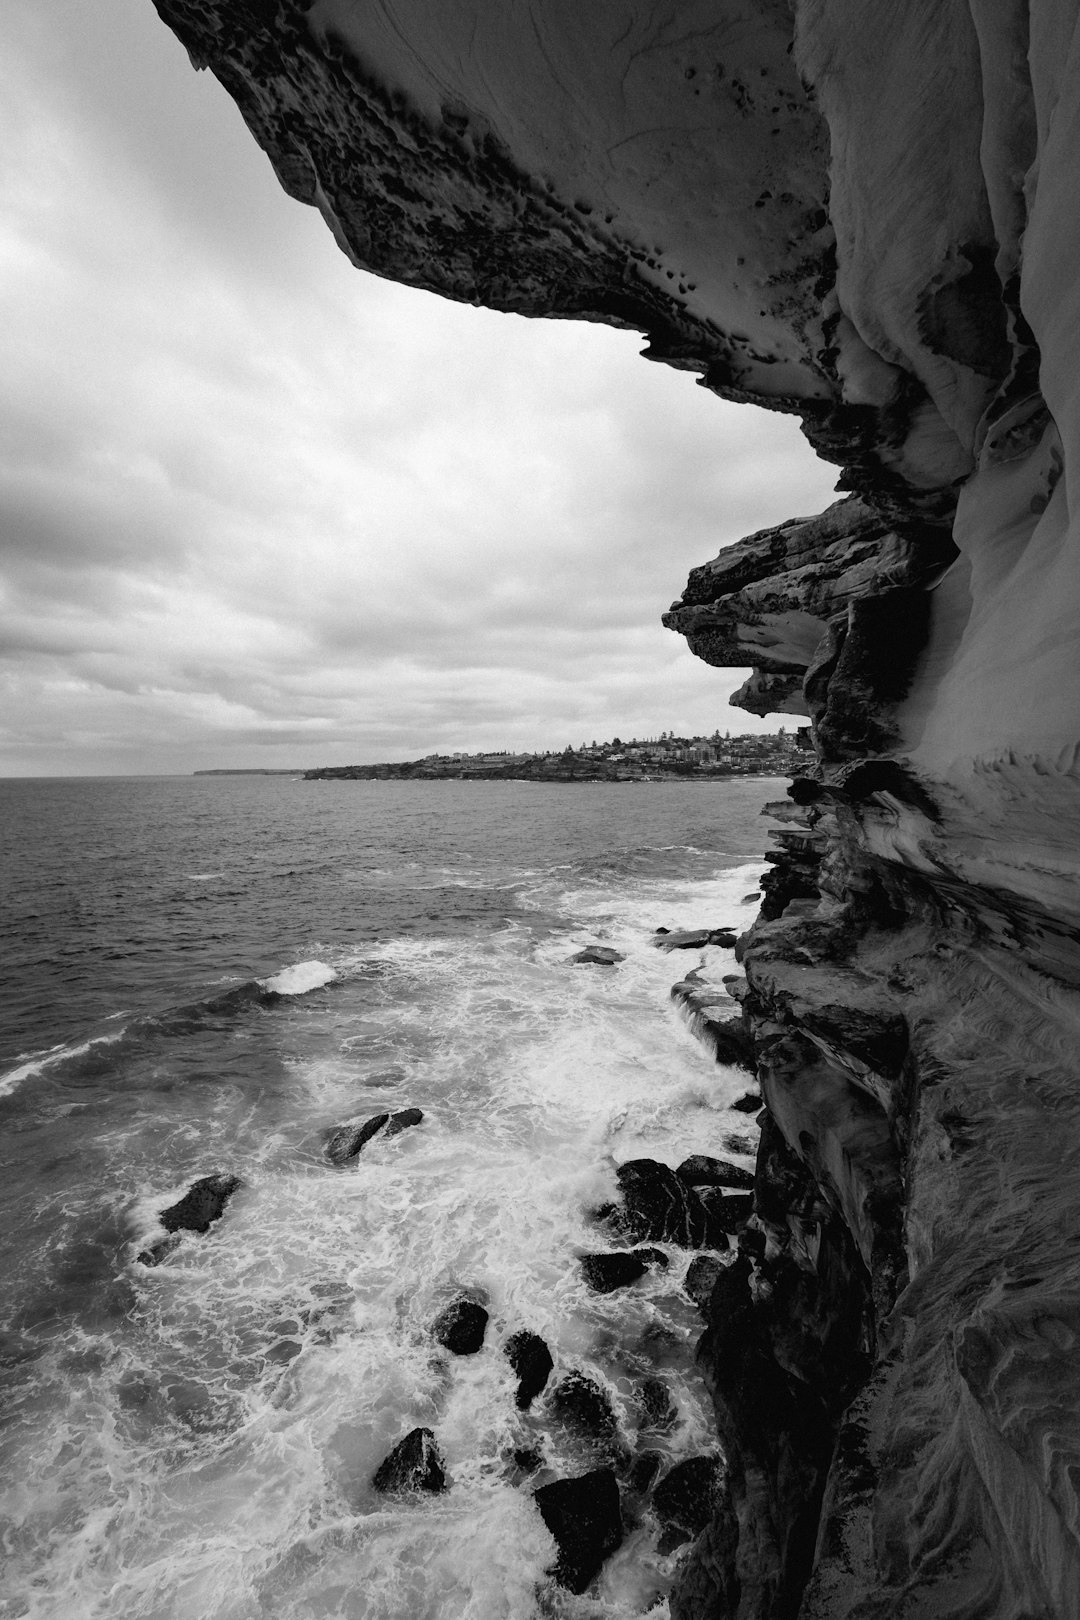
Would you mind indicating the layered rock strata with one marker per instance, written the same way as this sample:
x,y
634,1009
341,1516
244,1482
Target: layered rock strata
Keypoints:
x,y
865,216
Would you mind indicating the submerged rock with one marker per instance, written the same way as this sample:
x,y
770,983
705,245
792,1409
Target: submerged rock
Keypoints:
x,y
748,1103
461,1327
699,1170
601,955
656,1408
583,1514
415,1464
604,1273
531,1360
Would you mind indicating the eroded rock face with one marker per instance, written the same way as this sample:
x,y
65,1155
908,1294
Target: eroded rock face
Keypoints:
x,y
866,216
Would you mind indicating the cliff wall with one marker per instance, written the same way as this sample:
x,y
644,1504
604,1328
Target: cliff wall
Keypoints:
x,y
866,216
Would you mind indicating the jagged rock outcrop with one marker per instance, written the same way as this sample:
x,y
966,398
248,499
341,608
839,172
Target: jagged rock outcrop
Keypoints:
x,y
865,216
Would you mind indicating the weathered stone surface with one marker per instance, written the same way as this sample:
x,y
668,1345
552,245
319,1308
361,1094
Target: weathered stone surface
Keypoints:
x,y
708,1011
531,1360
584,1516
699,1170
461,1327
415,1464
604,1273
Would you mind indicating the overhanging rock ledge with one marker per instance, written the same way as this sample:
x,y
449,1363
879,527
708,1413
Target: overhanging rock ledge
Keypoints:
x,y
866,216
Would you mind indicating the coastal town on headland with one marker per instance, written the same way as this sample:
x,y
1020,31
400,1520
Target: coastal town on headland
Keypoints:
x,y
653,759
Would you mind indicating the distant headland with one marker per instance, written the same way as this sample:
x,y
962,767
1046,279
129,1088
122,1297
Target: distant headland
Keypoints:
x,y
662,758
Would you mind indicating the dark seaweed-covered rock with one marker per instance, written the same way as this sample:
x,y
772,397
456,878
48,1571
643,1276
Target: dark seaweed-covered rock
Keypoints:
x,y
700,1279
601,955
657,1409
683,1499
415,1464
581,1404
657,1207
701,1171
584,1517
618,1269
402,1120
749,1103
345,1143
461,1327
531,1360
202,1205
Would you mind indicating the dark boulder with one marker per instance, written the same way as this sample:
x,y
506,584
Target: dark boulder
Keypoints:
x,y
202,1205
657,1207
701,1171
700,1279
528,1459
732,1043
581,1404
604,1273
728,1213
683,1499
531,1360
415,1464
656,1408
345,1143
461,1327
402,1120
749,1103
583,1515
601,955
693,939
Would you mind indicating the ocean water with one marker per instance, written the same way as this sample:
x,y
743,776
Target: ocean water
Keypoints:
x,y
209,974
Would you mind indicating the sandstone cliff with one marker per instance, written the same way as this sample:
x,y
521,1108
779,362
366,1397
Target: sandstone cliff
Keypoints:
x,y
865,215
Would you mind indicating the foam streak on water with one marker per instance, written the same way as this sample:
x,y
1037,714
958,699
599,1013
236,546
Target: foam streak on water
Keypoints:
x,y
198,1439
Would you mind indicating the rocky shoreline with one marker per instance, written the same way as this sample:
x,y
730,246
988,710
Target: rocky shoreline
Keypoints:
x,y
866,220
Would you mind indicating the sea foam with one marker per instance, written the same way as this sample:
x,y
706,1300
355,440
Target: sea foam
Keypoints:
x,y
299,979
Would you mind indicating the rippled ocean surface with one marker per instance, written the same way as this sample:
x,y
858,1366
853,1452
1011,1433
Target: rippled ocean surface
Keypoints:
x,y
198,1439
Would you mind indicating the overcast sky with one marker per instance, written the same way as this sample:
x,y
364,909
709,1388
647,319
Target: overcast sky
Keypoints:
x,y
259,508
